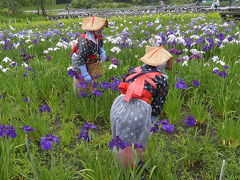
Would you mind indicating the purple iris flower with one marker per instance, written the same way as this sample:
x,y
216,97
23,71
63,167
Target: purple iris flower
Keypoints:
x,y
115,84
35,41
29,69
195,83
223,74
44,108
1,96
82,84
11,46
179,60
107,58
175,51
115,61
190,121
105,85
95,85
24,54
150,24
117,142
24,74
26,99
48,58
137,145
72,73
8,130
2,130
181,84
47,142
14,64
84,133
216,71
97,92
27,129
155,128
226,67
82,94
167,127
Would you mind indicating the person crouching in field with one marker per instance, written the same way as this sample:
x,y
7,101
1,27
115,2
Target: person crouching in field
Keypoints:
x,y
143,94
87,49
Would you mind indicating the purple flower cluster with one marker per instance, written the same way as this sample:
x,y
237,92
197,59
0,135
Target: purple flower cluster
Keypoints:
x,y
26,57
175,51
195,83
47,142
166,126
7,130
27,129
179,59
84,133
26,99
181,84
190,121
137,145
221,74
82,94
117,142
44,108
115,61
195,56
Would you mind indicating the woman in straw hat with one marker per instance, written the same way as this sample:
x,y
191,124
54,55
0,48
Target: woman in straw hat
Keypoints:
x,y
134,112
89,45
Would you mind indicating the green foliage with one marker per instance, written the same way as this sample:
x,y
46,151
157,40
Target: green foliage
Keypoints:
x,y
81,4
198,110
228,131
10,7
173,108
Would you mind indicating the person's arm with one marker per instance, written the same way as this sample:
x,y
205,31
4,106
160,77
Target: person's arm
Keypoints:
x,y
160,97
79,59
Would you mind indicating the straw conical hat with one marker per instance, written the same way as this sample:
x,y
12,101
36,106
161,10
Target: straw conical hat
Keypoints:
x,y
94,23
156,56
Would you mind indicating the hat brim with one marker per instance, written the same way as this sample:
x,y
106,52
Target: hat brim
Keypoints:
x,y
156,56
94,23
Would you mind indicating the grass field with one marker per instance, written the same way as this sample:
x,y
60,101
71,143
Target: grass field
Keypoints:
x,y
36,90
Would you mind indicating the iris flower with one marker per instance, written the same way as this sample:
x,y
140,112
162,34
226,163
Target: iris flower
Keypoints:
x,y
47,142
117,142
190,121
181,84
84,133
8,130
27,129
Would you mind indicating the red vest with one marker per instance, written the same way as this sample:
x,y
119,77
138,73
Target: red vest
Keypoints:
x,y
91,56
136,89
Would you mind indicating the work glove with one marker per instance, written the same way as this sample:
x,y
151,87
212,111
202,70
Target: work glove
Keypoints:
x,y
85,73
103,54
154,119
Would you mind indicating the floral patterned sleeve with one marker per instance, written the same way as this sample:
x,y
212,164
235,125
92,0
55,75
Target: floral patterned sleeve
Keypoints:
x,y
160,97
83,51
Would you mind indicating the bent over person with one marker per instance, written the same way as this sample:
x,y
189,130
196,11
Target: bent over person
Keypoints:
x,y
143,94
87,50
